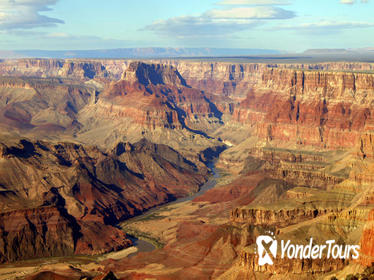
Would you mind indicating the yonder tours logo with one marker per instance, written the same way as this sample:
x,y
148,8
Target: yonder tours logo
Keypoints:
x,y
267,248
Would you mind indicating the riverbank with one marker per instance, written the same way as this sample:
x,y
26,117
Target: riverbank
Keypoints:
x,y
148,238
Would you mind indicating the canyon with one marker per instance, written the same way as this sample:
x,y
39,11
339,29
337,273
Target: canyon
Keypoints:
x,y
88,146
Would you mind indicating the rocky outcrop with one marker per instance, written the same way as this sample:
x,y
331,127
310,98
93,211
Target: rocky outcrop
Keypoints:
x,y
367,241
226,79
279,218
76,69
146,74
106,276
323,109
276,156
52,276
305,177
315,107
157,96
280,119
36,232
366,145
236,79
43,106
337,85
63,199
332,66
295,266
297,167
217,77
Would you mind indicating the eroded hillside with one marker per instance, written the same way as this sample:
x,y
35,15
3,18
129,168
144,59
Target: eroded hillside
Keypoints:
x,y
102,141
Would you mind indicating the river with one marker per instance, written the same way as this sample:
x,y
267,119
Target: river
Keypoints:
x,y
145,246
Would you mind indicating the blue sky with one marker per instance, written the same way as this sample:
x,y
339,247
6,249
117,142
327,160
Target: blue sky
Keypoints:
x,y
288,25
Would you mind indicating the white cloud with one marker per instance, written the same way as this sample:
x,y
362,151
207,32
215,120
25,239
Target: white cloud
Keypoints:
x,y
192,27
351,2
58,35
217,23
253,2
347,2
327,26
26,14
251,13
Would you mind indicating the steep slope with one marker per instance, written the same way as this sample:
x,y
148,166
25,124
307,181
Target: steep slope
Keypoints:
x,y
152,101
300,162
62,199
310,108
311,130
42,107
76,69
162,98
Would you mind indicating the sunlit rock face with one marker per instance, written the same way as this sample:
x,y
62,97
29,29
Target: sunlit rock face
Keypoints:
x,y
88,144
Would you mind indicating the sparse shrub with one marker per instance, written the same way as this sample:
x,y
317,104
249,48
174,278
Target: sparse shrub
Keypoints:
x,y
351,277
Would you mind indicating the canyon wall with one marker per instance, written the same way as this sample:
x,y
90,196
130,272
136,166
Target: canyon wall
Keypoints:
x,y
217,77
78,69
61,199
280,217
297,116
321,109
324,106
296,266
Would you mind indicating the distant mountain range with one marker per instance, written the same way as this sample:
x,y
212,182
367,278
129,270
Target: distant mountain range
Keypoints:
x,y
339,51
232,54
137,53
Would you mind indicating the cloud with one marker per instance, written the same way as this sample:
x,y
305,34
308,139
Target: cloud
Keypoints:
x,y
59,35
351,2
334,25
251,13
26,14
188,26
217,23
253,2
347,2
326,27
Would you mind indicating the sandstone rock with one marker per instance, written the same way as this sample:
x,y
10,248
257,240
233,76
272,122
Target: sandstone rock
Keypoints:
x,y
64,199
155,74
294,266
279,218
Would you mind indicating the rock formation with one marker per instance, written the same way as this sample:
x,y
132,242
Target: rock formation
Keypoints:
x,y
62,199
108,139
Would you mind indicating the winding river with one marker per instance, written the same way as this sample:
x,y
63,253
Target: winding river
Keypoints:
x,y
145,246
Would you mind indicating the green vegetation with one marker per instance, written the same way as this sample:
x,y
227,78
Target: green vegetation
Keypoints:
x,y
342,173
144,236
152,216
252,164
314,198
295,152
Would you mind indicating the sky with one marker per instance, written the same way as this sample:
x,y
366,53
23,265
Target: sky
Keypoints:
x,y
286,25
